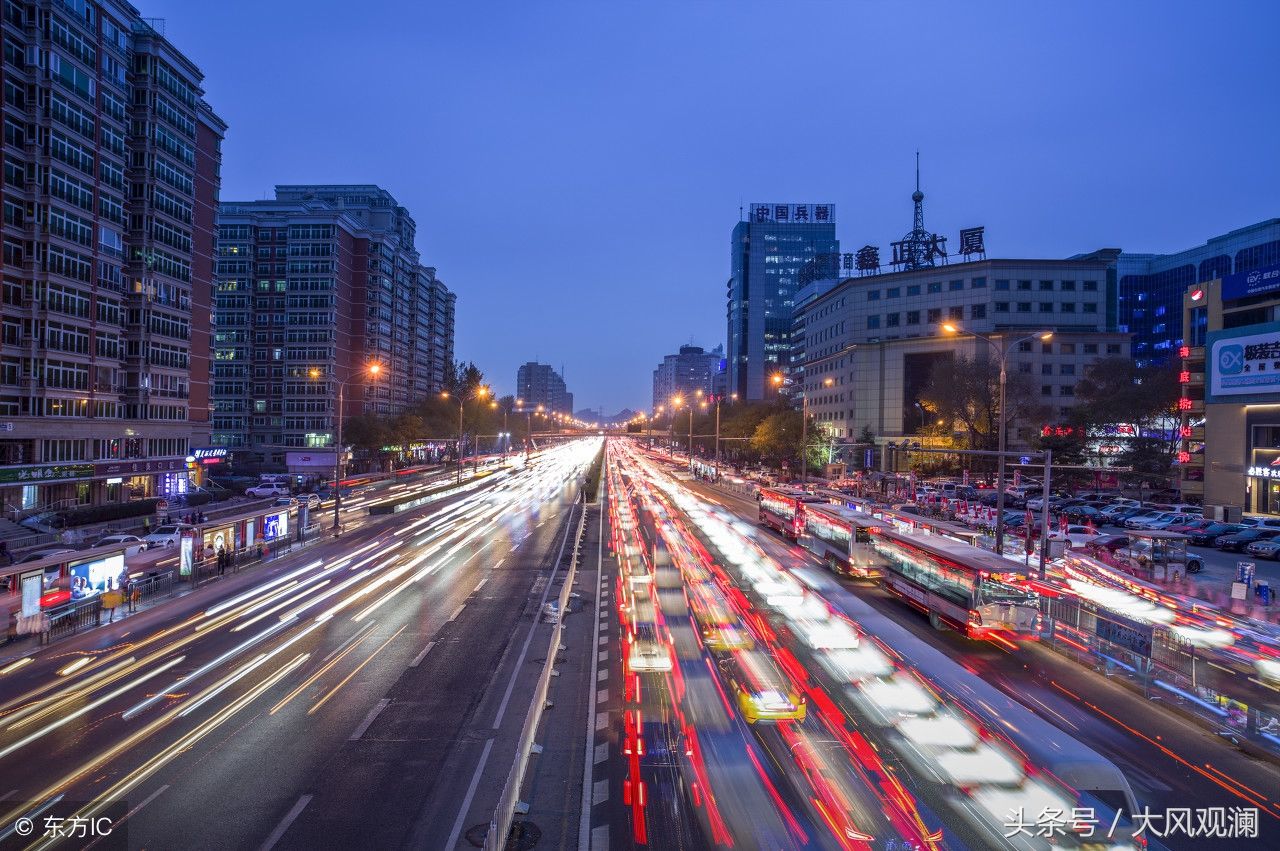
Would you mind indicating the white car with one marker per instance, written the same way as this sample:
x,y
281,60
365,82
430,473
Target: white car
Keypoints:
x,y
312,500
166,536
285,502
1079,536
268,489
135,544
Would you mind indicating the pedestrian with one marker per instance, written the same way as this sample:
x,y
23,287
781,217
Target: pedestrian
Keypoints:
x,y
111,600
222,561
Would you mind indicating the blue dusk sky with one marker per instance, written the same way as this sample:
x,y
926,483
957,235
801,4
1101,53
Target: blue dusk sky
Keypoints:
x,y
575,168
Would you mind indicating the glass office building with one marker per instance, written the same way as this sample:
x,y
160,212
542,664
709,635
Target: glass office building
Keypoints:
x,y
1152,286
770,251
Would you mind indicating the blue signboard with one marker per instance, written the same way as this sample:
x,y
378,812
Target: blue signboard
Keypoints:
x,y
1243,363
1255,282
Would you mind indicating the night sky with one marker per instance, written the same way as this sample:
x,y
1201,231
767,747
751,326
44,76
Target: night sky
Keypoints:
x,y
575,169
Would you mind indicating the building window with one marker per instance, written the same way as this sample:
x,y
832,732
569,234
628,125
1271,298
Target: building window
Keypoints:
x,y
1068,369
1090,307
891,320
1046,348
1024,346
1024,307
1066,390
1068,286
1002,307
873,295
1046,307
1046,286
1067,349
956,313
1046,390
977,311
1024,286
913,317
873,322
955,285
935,315
935,287
1002,284
1024,368
894,292
1068,307
1091,286
1090,348
1046,369
1113,348
913,289
980,283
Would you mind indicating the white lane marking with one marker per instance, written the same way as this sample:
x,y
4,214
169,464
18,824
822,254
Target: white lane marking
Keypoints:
x,y
418,659
602,720
285,823
456,612
369,719
481,585
600,838
600,792
602,695
602,752
603,655
471,793
498,564
602,675
604,639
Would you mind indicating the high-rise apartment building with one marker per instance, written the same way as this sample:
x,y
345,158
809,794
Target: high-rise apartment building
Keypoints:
x,y
685,373
539,384
312,288
111,174
771,252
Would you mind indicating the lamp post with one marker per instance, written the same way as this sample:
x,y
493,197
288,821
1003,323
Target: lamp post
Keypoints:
x,y
778,379
373,370
1002,350
719,399
676,402
479,392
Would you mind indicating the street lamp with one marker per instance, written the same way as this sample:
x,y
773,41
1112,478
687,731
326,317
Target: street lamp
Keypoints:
x,y
1002,349
479,392
371,371
733,397
779,379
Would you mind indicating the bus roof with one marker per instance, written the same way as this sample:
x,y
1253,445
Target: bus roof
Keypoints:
x,y
848,515
961,554
793,493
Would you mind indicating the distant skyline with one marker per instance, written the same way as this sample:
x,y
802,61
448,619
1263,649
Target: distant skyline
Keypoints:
x,y
575,169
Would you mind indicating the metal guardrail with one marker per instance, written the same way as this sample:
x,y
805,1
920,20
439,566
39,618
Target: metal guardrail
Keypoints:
x,y
504,813
71,618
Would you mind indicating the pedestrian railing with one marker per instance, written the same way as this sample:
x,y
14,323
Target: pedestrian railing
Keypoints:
x,y
147,588
509,803
72,617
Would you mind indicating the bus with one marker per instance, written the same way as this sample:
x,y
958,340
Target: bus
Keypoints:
x,y
841,537
971,590
919,524
784,509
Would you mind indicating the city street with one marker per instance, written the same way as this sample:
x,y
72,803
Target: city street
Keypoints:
x,y
319,695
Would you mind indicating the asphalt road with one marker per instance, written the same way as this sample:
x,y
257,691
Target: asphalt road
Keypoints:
x,y
308,703
1170,761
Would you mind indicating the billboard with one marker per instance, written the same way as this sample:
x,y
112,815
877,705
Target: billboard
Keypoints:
x,y
1243,362
310,459
94,577
1247,284
275,526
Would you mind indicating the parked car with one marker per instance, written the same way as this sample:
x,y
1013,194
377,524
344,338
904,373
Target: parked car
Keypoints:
x,y
1236,543
45,553
1268,548
1110,543
311,500
1135,521
1139,554
1191,526
1164,521
166,536
135,544
1206,536
1081,513
268,489
1081,536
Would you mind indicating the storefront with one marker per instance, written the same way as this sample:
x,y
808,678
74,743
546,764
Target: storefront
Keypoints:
x,y
1262,477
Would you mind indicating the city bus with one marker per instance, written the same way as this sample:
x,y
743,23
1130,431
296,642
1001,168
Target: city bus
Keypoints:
x,y
971,590
920,525
784,509
841,537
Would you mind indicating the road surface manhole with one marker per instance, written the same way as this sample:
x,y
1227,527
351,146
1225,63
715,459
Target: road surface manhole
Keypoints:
x,y
523,836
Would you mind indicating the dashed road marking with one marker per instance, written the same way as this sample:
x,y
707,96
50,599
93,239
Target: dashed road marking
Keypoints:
x,y
599,792
602,720
602,752
602,695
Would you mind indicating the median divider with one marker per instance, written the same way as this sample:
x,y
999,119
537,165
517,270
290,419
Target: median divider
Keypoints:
x,y
509,803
